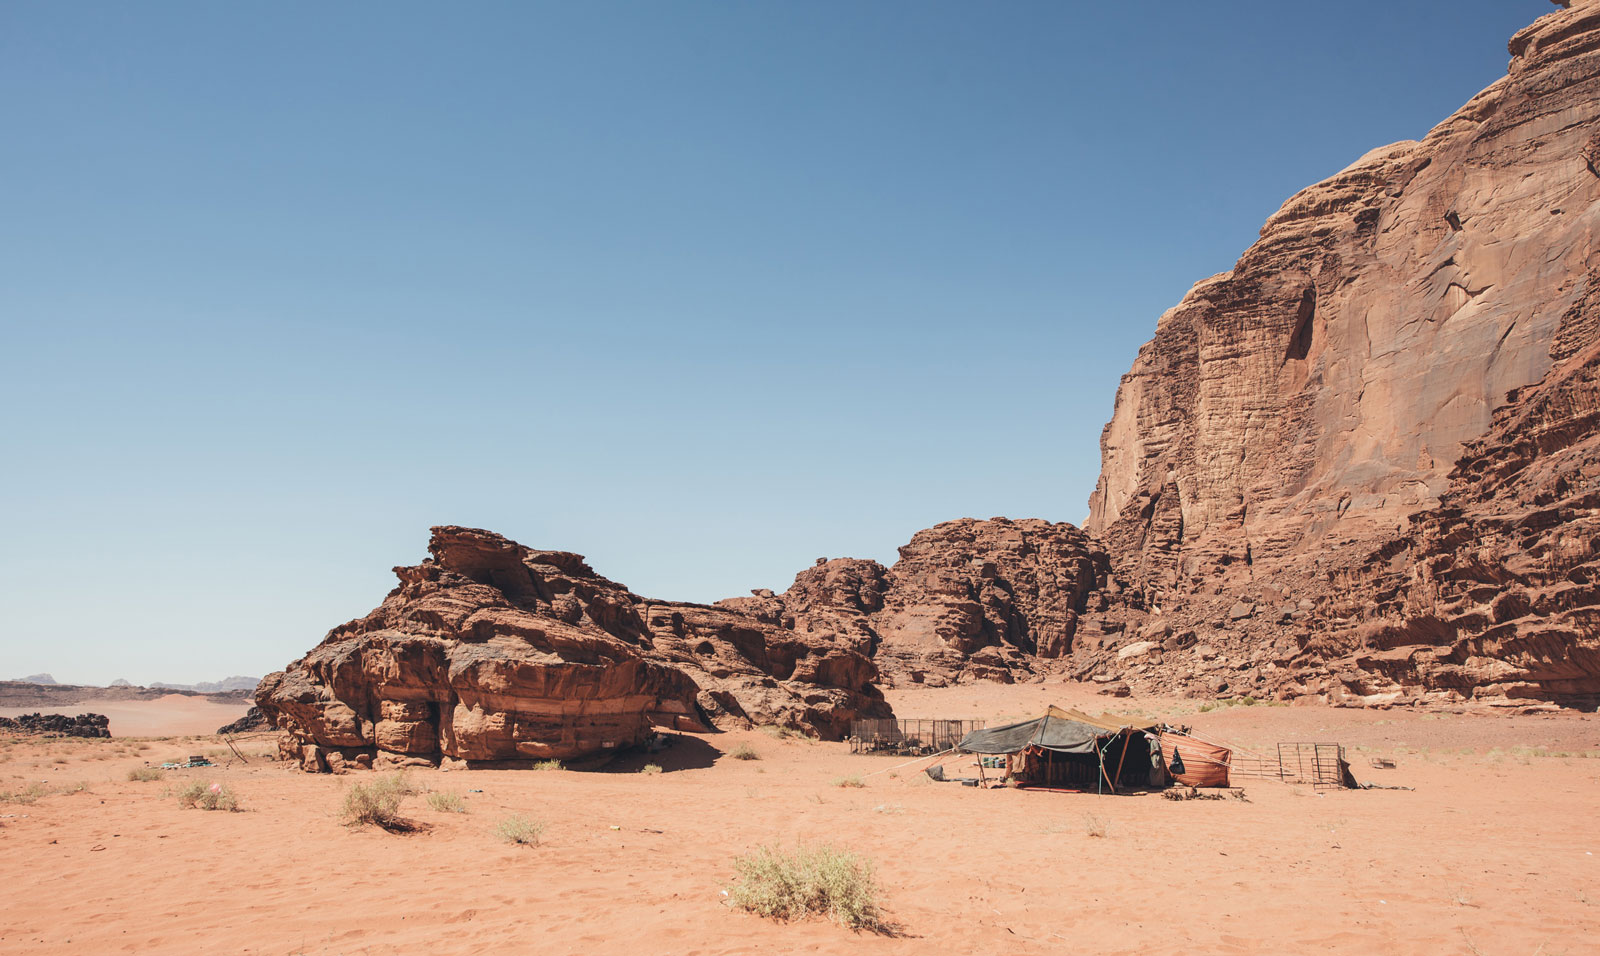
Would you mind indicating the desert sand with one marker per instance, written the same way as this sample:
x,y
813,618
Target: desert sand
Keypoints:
x,y
1493,852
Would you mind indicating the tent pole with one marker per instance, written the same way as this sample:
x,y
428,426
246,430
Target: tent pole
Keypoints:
x,y
1103,775
1120,760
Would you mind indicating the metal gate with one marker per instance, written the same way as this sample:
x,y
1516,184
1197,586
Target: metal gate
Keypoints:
x,y
909,737
1322,765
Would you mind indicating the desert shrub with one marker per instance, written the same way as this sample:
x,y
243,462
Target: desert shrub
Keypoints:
x,y
548,765
519,829
1094,826
744,752
851,781
144,774
447,801
377,802
817,879
650,768
781,733
202,796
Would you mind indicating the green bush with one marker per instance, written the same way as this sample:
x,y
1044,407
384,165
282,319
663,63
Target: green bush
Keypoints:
x,y
817,879
447,801
377,802
519,829
202,796
744,752
144,774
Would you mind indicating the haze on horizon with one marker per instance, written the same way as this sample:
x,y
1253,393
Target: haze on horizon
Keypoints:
x,y
700,291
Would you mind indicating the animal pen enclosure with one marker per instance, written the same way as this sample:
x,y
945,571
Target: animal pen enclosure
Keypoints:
x,y
908,737
1323,765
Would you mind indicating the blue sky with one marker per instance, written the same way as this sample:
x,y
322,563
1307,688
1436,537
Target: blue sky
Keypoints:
x,y
702,291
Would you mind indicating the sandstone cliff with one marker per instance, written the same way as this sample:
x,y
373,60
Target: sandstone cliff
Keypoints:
x,y
1274,439
1320,391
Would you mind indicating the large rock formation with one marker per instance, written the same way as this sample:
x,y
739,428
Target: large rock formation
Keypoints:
x,y
968,600
1292,414
493,654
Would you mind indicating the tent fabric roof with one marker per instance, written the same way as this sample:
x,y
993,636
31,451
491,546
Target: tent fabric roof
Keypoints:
x,y
1064,731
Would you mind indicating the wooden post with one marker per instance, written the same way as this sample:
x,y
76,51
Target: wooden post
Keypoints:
x,y
1121,760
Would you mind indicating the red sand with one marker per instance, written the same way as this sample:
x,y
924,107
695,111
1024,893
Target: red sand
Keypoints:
x,y
1494,852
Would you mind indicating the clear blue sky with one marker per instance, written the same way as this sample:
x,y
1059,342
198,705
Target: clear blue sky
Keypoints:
x,y
702,291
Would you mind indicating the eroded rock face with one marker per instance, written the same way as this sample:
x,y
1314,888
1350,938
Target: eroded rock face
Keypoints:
x,y
1358,463
968,600
1496,591
494,654
987,599
1319,392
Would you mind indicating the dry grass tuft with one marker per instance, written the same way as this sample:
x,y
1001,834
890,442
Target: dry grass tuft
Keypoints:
x,y
548,765
144,774
519,829
202,796
447,801
650,768
744,752
851,781
1095,827
376,803
812,880
27,794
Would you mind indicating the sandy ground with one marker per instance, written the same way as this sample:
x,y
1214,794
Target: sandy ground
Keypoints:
x,y
163,717
1494,852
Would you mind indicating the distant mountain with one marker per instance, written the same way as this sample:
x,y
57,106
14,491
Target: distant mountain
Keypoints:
x,y
38,679
213,687
120,682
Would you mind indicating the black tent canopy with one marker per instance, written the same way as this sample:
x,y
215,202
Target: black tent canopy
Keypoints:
x,y
1064,731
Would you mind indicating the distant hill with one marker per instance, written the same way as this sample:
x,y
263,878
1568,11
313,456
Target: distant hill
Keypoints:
x,y
38,679
213,687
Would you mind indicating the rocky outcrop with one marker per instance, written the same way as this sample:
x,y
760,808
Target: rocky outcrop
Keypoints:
x,y
987,599
1357,462
968,600
59,725
493,654
252,720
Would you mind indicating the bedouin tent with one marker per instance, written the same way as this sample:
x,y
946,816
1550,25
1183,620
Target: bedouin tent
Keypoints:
x,y
1070,749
